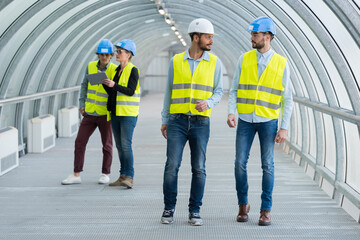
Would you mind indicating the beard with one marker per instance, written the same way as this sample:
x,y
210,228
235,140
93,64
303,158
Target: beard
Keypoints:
x,y
258,45
203,46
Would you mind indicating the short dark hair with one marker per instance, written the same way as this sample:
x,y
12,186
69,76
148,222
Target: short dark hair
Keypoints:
x,y
271,35
193,34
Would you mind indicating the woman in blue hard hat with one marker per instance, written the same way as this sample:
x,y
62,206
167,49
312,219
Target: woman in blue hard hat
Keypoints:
x,y
92,101
123,105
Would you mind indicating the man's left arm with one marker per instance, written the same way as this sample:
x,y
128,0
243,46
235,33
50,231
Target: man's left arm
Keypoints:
x,y
218,86
286,105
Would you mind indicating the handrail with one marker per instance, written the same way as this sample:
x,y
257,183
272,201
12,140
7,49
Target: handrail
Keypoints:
x,y
341,113
34,96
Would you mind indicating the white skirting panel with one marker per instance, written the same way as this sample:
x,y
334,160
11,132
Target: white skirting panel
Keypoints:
x,y
9,156
68,121
41,133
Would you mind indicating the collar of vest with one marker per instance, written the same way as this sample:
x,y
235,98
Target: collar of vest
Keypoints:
x,y
205,56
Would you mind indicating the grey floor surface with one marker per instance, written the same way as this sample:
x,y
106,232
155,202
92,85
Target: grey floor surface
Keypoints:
x,y
33,204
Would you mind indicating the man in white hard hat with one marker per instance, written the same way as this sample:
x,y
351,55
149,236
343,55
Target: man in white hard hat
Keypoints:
x,y
194,87
260,89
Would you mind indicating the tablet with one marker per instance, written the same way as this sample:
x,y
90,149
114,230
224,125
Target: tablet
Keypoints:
x,y
96,78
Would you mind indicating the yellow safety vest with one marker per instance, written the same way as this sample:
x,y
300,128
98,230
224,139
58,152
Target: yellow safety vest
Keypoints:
x,y
188,89
127,105
96,99
261,95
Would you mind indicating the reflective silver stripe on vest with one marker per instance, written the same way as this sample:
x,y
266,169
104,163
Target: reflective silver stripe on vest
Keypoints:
x,y
268,105
202,87
261,88
270,90
247,87
101,94
100,103
194,100
182,86
89,100
119,94
127,103
180,100
245,100
194,86
259,102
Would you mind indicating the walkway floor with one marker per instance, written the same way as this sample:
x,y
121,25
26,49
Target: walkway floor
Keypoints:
x,y
33,204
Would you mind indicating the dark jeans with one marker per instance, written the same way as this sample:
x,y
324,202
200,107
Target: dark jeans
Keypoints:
x,y
182,128
123,128
244,138
87,127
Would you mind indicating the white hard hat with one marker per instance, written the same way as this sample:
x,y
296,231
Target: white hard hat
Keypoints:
x,y
201,25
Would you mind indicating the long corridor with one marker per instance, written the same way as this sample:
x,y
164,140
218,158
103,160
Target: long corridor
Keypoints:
x,y
34,205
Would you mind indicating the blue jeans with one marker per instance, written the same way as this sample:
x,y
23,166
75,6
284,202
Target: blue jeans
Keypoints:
x,y
182,128
244,138
123,129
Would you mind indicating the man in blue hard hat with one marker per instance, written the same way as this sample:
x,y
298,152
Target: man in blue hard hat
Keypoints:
x,y
92,101
260,89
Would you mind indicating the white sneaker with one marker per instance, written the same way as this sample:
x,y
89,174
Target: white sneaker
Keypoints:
x,y
167,216
195,219
104,179
71,180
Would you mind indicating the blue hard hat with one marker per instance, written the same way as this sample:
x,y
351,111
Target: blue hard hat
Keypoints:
x,y
262,24
105,46
127,45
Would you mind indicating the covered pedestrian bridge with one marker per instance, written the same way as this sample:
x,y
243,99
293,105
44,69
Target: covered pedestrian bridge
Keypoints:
x,y
45,46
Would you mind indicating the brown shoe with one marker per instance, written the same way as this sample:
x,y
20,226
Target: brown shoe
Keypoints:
x,y
127,182
243,213
265,218
117,182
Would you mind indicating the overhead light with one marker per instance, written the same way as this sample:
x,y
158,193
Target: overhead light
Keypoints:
x,y
168,20
184,43
161,10
176,32
173,27
179,36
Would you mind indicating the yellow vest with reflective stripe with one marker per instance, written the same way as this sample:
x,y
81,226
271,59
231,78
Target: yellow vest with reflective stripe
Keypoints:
x,y
96,99
261,95
127,105
188,89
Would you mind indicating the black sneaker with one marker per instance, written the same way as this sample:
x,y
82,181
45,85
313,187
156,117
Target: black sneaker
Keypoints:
x,y
167,216
195,219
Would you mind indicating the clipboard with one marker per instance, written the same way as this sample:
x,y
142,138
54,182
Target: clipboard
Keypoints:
x,y
96,78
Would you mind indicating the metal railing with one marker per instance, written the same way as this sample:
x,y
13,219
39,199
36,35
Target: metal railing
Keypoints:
x,y
32,97
341,113
37,96
322,171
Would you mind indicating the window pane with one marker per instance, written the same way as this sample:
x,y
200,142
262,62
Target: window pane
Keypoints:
x,y
298,125
352,156
312,133
330,146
